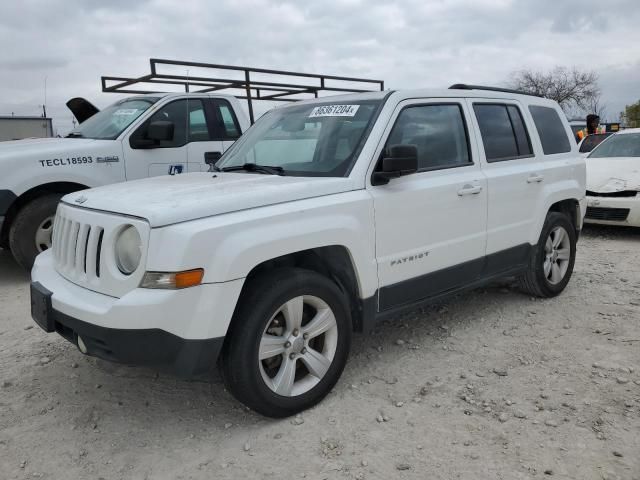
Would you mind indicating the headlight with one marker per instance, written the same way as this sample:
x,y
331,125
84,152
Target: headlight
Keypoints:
x,y
128,250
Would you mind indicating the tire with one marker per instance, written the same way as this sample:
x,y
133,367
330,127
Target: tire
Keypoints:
x,y
28,233
266,318
551,266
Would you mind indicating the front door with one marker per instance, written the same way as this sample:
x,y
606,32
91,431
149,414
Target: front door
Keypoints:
x,y
191,138
431,225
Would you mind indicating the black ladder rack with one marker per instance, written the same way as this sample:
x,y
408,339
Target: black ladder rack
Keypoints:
x,y
252,87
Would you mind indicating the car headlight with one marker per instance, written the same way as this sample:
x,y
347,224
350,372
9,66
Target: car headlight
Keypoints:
x,y
128,250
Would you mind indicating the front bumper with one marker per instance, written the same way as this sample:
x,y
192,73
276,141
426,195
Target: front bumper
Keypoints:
x,y
151,347
613,211
182,330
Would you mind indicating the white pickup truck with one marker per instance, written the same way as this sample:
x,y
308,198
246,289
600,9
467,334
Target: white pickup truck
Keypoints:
x,y
137,137
325,217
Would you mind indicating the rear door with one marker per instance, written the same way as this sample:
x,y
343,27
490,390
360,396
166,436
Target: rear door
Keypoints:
x,y
431,225
514,180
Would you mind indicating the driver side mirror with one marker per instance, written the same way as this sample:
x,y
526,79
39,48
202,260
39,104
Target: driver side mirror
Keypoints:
x,y
157,132
401,160
160,131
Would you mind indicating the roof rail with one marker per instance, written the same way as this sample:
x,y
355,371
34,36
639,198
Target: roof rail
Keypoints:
x,y
464,86
251,81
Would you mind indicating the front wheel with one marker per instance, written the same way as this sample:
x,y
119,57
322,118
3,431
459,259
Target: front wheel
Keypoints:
x,y
288,342
552,263
32,229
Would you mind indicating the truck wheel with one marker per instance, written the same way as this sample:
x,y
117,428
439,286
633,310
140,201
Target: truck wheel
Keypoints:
x,y
32,228
552,263
288,342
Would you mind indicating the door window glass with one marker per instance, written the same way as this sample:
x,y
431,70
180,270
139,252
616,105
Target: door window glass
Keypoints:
x,y
438,132
503,131
520,131
198,130
189,122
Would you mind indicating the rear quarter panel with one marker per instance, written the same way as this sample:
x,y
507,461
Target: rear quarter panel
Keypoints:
x,y
565,174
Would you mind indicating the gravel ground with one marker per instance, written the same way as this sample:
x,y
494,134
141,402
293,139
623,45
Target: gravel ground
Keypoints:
x,y
492,384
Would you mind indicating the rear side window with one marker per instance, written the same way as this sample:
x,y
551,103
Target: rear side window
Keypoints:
x,y
550,129
227,121
503,131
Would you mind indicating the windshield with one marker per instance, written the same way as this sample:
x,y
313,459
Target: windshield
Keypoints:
x,y
111,122
621,145
306,140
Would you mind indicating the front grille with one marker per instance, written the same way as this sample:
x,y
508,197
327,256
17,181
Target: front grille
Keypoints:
x,y
611,214
623,193
77,247
83,252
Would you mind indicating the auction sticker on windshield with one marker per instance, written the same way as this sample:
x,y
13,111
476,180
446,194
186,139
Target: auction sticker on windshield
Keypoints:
x,y
334,111
126,111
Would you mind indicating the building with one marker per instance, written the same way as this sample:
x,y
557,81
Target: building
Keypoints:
x,y
16,127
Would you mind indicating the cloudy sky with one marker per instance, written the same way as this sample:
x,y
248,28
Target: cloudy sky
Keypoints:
x,y
409,43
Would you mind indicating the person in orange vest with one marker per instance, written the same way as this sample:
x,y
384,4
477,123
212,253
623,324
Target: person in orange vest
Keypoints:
x,y
593,126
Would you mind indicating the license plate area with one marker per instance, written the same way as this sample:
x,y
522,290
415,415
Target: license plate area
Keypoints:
x,y
41,310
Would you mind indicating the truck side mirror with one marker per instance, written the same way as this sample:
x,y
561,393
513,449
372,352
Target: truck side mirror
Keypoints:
x,y
157,132
161,130
401,160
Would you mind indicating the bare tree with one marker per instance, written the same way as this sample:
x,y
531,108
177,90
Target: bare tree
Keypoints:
x,y
573,89
595,105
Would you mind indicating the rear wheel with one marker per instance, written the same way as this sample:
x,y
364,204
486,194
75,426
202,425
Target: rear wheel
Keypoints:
x,y
554,257
32,229
288,342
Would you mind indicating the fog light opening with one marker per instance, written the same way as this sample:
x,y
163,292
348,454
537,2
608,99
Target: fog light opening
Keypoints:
x,y
81,346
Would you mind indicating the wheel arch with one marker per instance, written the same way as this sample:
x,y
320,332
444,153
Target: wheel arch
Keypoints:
x,y
571,208
334,262
29,195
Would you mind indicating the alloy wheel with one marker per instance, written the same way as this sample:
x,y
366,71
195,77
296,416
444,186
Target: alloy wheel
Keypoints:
x,y
298,346
557,251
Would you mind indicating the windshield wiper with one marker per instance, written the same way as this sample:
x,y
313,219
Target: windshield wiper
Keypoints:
x,y
252,167
74,135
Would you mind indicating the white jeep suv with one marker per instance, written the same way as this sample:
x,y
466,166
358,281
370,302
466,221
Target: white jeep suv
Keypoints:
x,y
324,218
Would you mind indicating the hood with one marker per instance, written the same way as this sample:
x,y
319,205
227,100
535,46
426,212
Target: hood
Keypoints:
x,y
81,108
617,174
47,147
169,199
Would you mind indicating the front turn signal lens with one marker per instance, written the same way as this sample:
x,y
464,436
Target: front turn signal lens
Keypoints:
x,y
172,280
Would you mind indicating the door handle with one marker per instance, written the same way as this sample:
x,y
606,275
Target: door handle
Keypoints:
x,y
535,178
469,190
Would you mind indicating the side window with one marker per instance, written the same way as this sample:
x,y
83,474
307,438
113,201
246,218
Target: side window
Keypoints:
x,y
550,129
520,131
438,131
189,123
227,122
503,131
198,130
175,112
